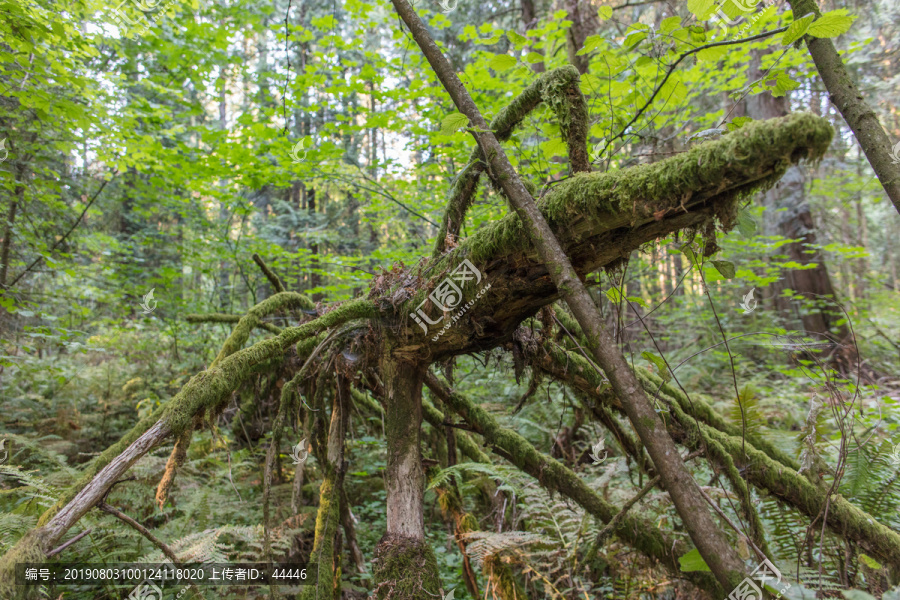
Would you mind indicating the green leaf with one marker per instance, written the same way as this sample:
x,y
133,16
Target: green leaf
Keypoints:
x,y
502,62
712,54
533,57
637,300
745,223
592,42
831,24
737,123
669,24
453,122
692,561
724,267
869,561
517,39
604,12
783,84
702,9
555,147
797,29
614,295
660,365
634,38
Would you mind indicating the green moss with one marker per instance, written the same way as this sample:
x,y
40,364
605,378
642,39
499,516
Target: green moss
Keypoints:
x,y
748,160
28,550
405,569
327,523
253,318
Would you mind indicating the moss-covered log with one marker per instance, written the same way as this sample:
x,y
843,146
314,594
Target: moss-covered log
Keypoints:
x,y
556,477
600,218
205,390
763,465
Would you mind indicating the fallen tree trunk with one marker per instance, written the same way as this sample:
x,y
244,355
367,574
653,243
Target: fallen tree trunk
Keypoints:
x,y
767,470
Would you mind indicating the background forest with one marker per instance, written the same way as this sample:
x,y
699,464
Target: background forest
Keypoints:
x,y
151,150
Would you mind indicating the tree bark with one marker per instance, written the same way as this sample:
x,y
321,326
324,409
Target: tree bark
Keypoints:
x,y
405,566
326,554
848,99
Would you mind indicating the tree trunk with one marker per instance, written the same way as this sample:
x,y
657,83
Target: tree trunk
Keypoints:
x,y
405,566
326,553
844,94
788,214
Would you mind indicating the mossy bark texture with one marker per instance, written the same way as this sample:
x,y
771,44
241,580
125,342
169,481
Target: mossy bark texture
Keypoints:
x,y
405,566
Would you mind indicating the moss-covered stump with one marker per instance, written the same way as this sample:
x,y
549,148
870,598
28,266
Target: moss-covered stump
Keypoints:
x,y
405,569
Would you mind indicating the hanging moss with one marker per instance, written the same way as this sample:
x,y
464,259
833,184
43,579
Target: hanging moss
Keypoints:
x,y
558,88
405,569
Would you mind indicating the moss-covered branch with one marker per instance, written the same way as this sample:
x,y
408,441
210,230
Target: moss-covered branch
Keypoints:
x,y
560,89
226,318
554,476
762,465
204,391
238,337
269,273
